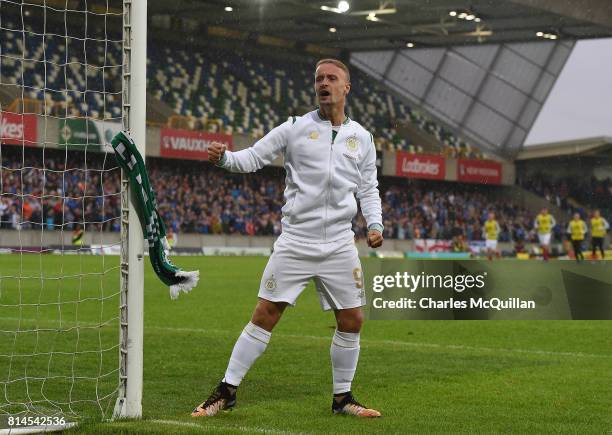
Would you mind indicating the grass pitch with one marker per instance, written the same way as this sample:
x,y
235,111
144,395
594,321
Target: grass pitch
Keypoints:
x,y
424,376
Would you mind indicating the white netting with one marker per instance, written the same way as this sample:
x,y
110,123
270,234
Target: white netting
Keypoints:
x,y
60,202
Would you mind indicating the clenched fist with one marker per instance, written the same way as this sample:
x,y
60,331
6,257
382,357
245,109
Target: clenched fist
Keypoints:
x,y
216,151
375,239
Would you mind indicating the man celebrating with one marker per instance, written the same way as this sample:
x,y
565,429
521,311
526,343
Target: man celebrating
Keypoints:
x,y
577,229
599,227
329,160
544,224
491,230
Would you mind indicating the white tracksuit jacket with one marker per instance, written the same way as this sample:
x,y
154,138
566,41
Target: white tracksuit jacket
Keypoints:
x,y
323,176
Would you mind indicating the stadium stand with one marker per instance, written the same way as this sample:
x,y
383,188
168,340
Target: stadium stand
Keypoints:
x,y
570,194
216,90
56,71
236,93
200,198
248,96
438,210
47,189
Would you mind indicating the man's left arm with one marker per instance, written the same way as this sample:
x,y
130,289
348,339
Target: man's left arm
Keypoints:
x,y
369,197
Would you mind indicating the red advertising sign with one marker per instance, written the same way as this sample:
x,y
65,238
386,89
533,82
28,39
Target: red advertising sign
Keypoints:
x,y
479,171
18,129
420,166
185,144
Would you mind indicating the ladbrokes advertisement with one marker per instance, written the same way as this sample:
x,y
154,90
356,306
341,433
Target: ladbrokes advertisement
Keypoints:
x,y
420,166
18,129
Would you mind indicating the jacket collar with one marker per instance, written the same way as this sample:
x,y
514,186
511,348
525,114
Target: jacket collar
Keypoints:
x,y
317,115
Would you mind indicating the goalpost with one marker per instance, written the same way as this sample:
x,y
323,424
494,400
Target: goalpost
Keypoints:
x,y
129,402
72,73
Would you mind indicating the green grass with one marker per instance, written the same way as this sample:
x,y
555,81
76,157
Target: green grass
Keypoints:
x,y
425,377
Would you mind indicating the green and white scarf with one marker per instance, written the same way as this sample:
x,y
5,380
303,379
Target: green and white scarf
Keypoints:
x,y
154,230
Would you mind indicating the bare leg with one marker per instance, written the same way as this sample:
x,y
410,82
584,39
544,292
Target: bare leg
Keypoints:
x,y
267,314
349,320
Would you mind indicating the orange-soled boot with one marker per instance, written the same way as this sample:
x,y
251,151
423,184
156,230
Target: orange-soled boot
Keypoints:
x,y
345,403
223,398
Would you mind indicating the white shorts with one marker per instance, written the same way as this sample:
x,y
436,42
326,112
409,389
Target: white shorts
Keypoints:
x,y
491,245
544,239
334,266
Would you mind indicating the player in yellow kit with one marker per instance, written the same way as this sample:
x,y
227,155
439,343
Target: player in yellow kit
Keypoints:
x,y
544,224
577,229
491,233
599,227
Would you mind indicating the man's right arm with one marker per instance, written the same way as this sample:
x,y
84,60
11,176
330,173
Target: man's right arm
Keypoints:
x,y
264,152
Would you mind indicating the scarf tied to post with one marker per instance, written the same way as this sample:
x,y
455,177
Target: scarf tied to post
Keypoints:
x,y
154,230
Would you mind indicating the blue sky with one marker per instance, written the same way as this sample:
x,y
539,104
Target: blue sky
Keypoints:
x,y
580,104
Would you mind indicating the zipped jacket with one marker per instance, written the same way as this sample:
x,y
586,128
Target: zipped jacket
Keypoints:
x,y
325,174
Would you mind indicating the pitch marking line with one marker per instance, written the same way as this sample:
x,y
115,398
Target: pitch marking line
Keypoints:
x,y
402,343
364,341
246,429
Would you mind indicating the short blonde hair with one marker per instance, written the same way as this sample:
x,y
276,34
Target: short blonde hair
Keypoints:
x,y
339,64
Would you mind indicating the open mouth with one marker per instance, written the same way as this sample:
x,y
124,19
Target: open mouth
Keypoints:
x,y
324,93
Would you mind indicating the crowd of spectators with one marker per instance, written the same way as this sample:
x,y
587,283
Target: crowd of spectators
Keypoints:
x,y
201,198
571,193
439,210
55,189
51,189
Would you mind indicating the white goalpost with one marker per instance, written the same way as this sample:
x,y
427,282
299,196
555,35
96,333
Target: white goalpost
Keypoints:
x,y
72,74
129,402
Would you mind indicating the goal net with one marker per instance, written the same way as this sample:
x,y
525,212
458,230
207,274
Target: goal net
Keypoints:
x,y
62,203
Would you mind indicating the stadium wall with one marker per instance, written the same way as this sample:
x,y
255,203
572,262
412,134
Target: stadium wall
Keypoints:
x,y
35,241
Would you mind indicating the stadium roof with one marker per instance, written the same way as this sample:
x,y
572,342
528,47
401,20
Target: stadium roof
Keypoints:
x,y
480,68
488,94
298,23
581,147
